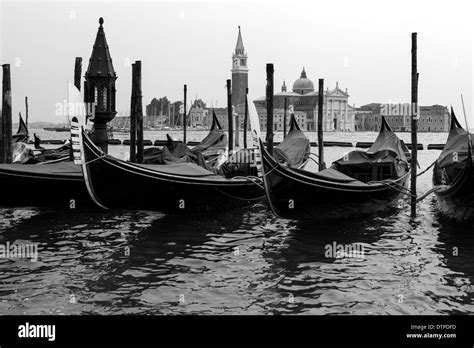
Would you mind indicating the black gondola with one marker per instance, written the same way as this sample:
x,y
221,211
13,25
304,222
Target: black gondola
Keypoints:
x,y
453,174
358,184
293,151
46,156
207,153
59,184
49,179
21,135
177,188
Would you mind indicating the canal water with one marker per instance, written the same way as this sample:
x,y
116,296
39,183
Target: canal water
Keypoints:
x,y
242,262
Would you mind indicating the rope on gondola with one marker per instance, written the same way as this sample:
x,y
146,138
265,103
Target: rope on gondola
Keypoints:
x,y
428,193
309,157
312,159
423,172
402,189
253,179
95,159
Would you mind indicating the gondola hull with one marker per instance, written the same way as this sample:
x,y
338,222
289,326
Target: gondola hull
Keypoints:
x,y
456,201
296,195
453,174
115,184
55,185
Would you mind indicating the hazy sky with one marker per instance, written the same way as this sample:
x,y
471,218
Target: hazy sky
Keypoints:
x,y
365,45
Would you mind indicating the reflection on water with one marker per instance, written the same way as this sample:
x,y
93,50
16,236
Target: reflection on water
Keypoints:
x,y
243,262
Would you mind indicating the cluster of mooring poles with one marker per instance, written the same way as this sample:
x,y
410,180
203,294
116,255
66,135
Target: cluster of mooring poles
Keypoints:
x,y
136,116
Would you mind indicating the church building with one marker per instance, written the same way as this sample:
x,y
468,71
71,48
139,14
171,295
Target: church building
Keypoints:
x,y
338,115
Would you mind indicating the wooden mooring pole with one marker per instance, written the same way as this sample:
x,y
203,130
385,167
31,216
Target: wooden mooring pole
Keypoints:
x,y
26,110
237,126
414,122
133,119
6,124
78,72
285,117
322,165
246,117
229,116
185,116
139,110
269,99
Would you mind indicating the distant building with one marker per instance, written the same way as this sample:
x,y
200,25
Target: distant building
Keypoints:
x,y
337,113
123,122
278,115
433,118
198,116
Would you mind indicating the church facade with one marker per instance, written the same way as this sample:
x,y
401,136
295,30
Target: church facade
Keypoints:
x,y
338,115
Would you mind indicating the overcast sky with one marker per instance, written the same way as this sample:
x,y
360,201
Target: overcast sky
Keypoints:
x,y
364,45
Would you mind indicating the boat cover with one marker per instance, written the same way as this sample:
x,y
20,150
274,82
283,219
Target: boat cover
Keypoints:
x,y
241,163
387,150
453,157
22,153
330,174
62,168
62,152
295,147
214,143
182,169
205,153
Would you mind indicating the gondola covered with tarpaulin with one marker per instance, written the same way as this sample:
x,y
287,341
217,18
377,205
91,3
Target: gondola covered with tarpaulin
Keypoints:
x,y
360,183
453,174
185,188
207,153
293,151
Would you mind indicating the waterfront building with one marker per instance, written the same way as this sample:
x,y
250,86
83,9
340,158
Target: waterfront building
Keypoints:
x,y
433,118
198,117
278,116
221,114
338,115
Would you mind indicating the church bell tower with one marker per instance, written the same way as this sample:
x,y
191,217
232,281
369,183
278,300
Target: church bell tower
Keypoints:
x,y
239,76
99,88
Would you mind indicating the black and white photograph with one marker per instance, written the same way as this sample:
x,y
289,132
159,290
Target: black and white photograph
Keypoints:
x,y
200,163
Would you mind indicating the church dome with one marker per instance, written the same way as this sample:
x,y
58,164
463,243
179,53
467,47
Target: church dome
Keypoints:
x,y
303,85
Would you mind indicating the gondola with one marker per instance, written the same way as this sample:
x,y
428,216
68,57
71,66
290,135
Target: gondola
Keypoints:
x,y
360,183
48,178
208,153
293,151
21,153
56,185
62,153
185,188
21,135
453,174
